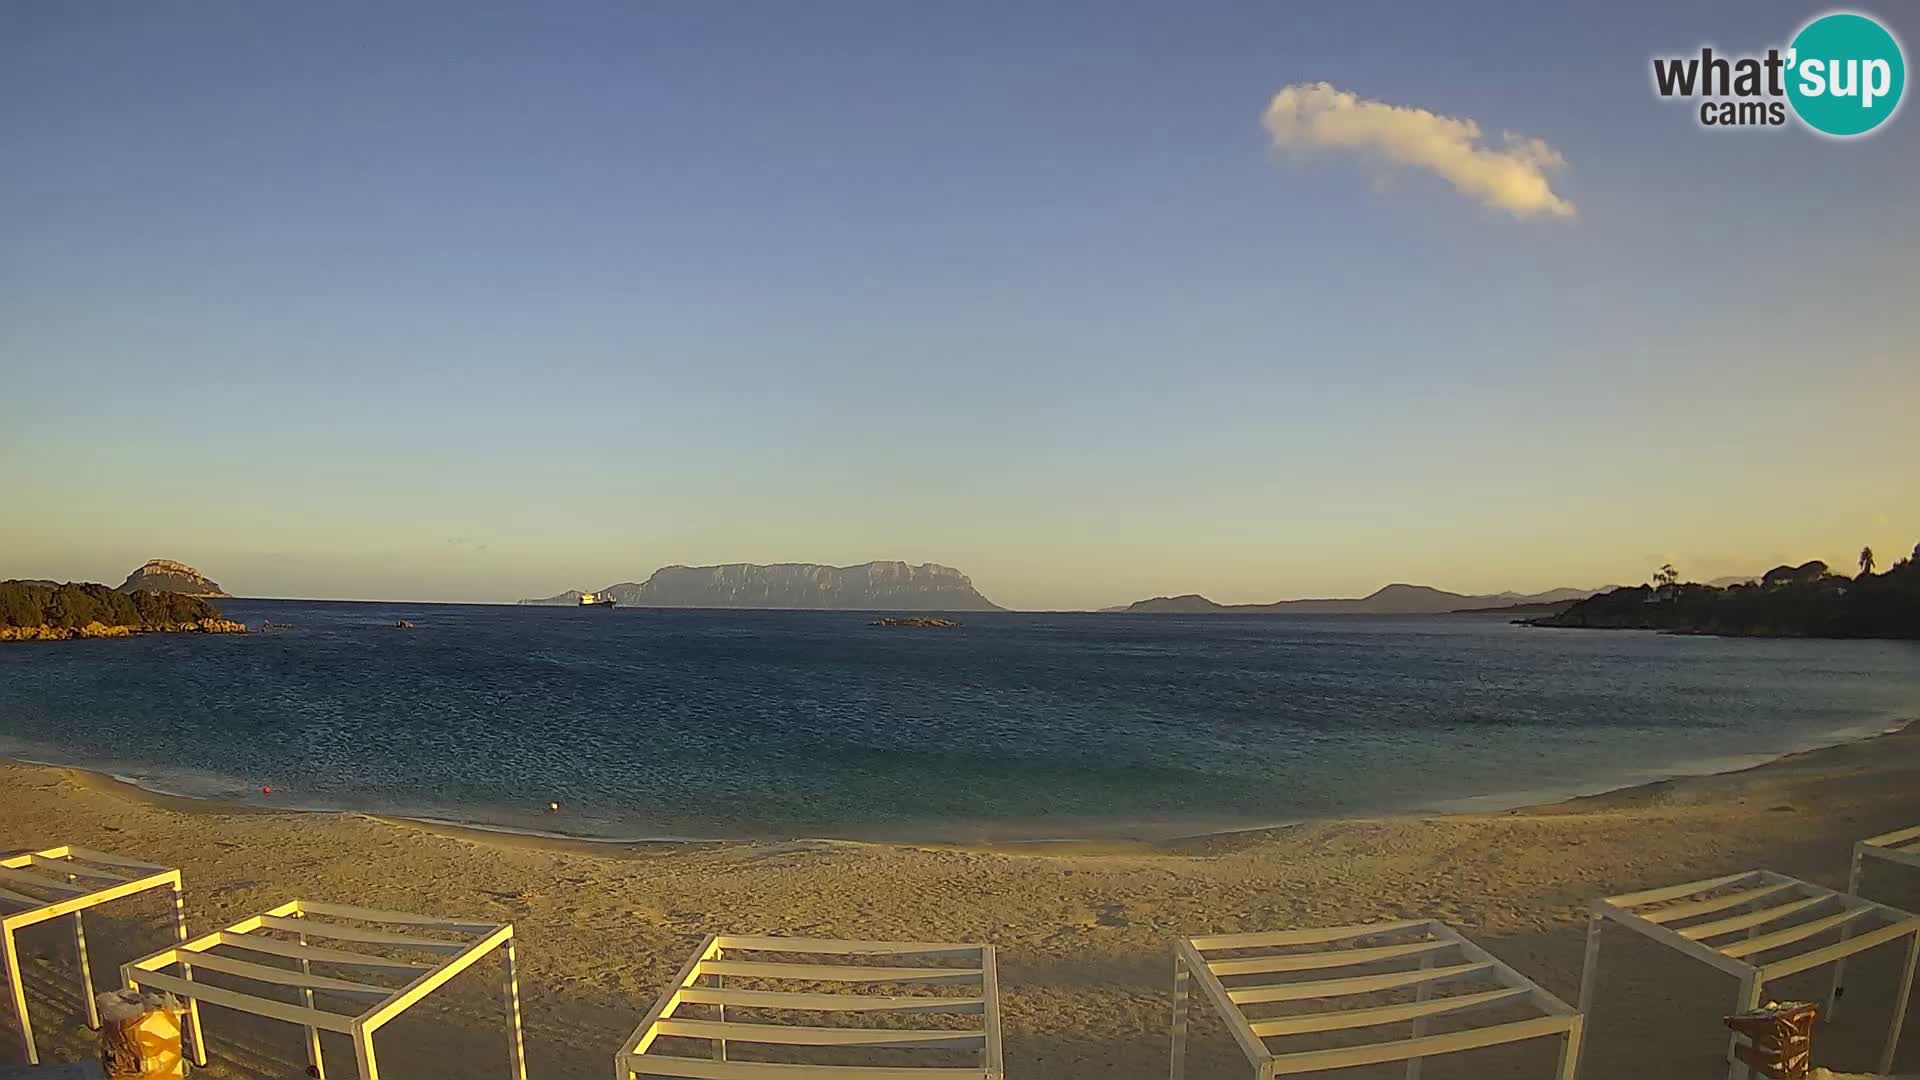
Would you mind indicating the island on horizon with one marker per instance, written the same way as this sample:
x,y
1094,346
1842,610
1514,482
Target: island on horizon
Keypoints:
x,y
871,586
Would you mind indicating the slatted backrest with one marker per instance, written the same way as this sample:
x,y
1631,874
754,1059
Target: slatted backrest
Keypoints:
x,y
1370,975
887,999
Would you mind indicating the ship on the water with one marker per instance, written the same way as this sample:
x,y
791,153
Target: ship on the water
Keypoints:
x,y
588,599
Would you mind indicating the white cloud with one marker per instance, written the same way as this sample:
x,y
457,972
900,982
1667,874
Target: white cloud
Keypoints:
x,y
1512,177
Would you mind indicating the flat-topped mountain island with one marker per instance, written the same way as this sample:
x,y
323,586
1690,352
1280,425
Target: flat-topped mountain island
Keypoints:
x,y
872,586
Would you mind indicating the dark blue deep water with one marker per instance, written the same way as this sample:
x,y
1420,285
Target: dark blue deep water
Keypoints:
x,y
710,723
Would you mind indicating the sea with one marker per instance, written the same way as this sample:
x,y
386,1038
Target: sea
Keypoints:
x,y
653,724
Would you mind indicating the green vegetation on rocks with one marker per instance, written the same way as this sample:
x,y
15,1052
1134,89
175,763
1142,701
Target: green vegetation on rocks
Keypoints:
x,y
36,611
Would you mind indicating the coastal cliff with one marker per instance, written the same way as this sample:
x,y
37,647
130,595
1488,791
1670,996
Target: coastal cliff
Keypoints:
x,y
165,575
874,586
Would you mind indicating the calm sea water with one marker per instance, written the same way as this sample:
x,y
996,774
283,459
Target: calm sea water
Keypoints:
x,y
708,723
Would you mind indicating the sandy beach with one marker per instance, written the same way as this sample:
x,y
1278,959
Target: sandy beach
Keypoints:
x,y
1084,932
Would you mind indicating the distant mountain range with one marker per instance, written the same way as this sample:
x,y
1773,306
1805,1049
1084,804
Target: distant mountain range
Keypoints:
x,y
1397,599
874,586
165,575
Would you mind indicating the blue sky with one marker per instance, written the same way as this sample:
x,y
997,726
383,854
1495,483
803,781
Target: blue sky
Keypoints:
x,y
452,301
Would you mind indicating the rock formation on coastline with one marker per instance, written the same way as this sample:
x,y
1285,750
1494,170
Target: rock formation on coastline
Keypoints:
x,y
30,611
165,575
102,630
1789,601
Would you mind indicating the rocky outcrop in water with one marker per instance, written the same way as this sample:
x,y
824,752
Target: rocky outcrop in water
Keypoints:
x,y
165,575
34,612
102,630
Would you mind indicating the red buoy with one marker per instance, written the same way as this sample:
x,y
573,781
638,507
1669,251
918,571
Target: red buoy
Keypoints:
x,y
266,789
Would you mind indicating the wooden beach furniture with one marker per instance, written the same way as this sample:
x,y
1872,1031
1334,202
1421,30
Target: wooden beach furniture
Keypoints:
x,y
1900,848
926,1011
64,881
1399,977
1757,926
388,971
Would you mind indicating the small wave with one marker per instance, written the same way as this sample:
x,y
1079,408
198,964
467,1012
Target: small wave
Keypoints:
x,y
1691,768
543,834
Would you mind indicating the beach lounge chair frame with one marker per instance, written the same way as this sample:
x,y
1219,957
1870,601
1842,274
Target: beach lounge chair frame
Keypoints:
x,y
65,868
1685,917
1441,954
1901,848
468,942
711,963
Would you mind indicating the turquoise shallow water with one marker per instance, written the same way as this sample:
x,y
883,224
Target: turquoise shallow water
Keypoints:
x,y
710,723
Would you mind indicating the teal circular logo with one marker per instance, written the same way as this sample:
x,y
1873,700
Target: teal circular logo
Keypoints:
x,y
1845,74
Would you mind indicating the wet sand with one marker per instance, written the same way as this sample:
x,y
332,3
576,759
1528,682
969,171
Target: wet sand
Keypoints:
x,y
1084,930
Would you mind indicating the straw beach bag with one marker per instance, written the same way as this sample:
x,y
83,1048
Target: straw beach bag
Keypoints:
x,y
140,1036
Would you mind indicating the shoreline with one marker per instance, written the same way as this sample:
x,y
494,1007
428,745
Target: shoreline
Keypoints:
x,y
1510,802
1084,931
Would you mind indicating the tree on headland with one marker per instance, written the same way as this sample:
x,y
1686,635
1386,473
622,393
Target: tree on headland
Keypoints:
x,y
1866,562
1664,580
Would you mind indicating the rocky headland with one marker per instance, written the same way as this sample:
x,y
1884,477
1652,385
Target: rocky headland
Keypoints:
x,y
30,611
166,575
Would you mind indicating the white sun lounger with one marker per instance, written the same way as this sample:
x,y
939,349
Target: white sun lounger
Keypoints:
x,y
42,885
414,960
1900,848
1326,969
729,978
1757,926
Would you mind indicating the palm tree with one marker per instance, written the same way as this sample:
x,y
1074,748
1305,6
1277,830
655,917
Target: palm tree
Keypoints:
x,y
1866,562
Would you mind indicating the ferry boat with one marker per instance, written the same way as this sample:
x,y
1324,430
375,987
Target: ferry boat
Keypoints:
x,y
588,599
